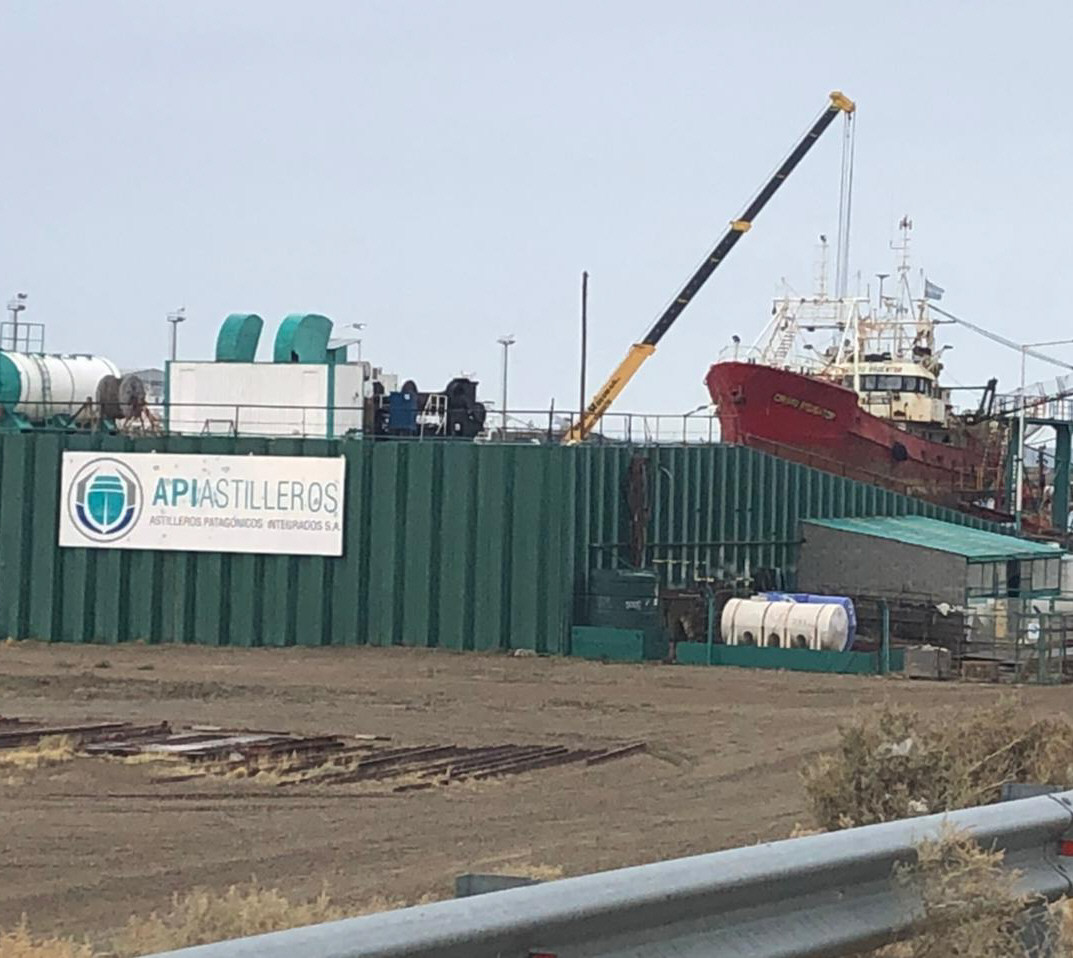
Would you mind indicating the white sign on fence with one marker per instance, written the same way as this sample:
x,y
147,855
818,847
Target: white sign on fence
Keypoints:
x,y
289,505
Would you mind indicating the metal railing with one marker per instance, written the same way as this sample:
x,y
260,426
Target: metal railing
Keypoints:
x,y
822,895
1019,642
266,420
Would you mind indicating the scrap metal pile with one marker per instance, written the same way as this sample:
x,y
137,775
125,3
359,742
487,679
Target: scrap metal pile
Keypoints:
x,y
287,759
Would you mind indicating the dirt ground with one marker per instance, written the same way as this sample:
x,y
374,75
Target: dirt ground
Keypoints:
x,y
87,843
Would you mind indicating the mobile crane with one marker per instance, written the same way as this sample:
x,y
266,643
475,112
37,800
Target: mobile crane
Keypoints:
x,y
639,352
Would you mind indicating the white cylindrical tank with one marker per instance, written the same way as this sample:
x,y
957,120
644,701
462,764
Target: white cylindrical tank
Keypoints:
x,y
38,386
817,626
785,624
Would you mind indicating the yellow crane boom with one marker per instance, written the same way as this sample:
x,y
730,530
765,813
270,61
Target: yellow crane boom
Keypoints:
x,y
639,352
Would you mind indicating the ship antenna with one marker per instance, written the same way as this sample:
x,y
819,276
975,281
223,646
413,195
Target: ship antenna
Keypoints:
x,y
905,226
902,309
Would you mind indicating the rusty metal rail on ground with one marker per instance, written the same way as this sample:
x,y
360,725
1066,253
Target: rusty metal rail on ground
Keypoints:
x,y
290,759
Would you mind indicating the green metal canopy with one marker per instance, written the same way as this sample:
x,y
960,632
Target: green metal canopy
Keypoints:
x,y
976,545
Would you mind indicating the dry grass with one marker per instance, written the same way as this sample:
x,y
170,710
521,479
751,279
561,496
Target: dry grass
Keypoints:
x,y
19,943
146,758
536,872
898,762
51,750
196,918
201,916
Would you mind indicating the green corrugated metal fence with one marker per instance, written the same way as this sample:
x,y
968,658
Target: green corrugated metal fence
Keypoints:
x,y
459,545
719,510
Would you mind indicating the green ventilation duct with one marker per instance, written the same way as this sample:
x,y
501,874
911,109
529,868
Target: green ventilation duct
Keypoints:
x,y
237,341
302,338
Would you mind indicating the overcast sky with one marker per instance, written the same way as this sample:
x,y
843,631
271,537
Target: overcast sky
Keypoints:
x,y
444,172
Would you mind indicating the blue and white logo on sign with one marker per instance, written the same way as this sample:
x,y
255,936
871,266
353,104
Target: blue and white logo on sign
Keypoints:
x,y
105,500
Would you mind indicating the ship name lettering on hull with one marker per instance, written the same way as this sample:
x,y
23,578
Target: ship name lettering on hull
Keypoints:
x,y
811,408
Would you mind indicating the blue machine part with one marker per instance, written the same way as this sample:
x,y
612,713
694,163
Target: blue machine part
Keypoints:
x,y
402,413
808,597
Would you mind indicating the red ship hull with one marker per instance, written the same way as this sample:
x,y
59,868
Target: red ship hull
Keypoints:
x,y
821,424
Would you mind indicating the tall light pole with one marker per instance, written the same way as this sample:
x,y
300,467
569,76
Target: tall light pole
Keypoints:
x,y
359,327
506,342
16,305
1020,477
176,317
584,340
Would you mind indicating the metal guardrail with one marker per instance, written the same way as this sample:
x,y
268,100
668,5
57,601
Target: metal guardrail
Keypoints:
x,y
828,895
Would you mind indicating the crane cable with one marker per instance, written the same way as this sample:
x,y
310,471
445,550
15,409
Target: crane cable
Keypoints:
x,y
845,206
1002,340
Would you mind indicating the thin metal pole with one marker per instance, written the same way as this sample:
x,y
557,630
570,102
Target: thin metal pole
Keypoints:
x,y
884,658
1019,484
710,631
506,342
175,318
584,339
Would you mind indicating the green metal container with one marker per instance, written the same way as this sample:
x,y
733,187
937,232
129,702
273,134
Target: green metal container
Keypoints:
x,y
794,660
626,620
623,582
618,645
638,605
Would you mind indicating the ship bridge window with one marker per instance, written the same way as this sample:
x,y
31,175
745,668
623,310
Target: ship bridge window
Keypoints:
x,y
905,384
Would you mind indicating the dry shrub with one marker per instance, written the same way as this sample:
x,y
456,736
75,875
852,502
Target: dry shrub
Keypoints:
x,y
899,762
51,750
19,943
202,916
1062,912
971,908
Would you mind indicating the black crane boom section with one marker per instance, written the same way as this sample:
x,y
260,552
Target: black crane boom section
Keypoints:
x,y
742,224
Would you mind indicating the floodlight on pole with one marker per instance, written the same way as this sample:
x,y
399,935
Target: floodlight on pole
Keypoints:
x,y
506,342
176,317
16,305
359,327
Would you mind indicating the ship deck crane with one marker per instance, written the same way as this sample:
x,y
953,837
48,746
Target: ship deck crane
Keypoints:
x,y
639,352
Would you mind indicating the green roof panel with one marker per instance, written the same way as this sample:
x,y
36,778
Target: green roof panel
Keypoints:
x,y
976,545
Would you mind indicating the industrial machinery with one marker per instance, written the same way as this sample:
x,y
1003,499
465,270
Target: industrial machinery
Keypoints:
x,y
454,413
639,352
66,391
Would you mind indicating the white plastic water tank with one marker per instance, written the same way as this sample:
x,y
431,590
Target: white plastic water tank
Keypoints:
x,y
755,622
785,624
817,626
39,385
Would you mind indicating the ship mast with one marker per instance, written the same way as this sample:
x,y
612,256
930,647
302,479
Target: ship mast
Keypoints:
x,y
905,297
